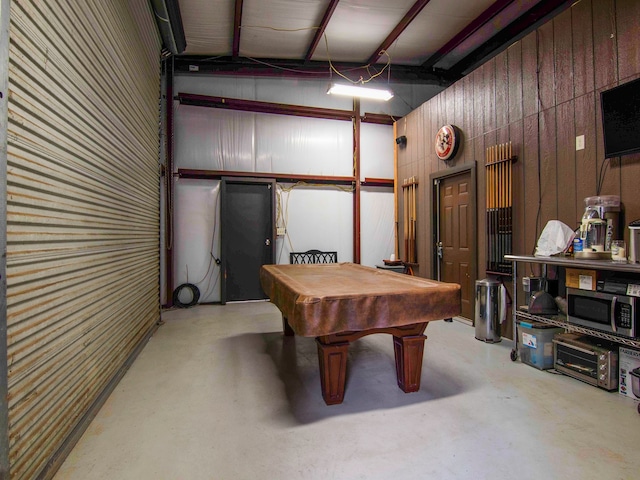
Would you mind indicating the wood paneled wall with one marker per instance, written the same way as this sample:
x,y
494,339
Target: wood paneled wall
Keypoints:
x,y
540,93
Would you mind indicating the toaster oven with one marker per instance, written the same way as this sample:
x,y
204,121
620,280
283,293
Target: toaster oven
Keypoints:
x,y
586,358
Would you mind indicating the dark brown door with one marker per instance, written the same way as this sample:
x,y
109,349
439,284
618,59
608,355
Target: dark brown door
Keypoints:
x,y
457,236
247,222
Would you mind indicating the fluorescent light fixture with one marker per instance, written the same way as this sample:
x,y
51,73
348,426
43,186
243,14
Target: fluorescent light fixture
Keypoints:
x,y
360,91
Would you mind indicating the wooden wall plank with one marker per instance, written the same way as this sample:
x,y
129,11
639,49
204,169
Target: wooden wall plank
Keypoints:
x,y
566,164
458,96
489,95
478,104
585,124
449,106
422,146
530,74
563,56
582,46
435,126
516,135
514,81
548,166
502,90
423,214
546,66
425,114
629,190
628,21
479,149
605,59
531,181
468,123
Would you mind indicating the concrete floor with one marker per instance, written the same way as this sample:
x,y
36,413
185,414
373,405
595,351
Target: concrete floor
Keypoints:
x,y
218,393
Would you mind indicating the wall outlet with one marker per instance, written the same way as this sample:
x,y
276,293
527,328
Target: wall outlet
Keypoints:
x,y
580,142
280,231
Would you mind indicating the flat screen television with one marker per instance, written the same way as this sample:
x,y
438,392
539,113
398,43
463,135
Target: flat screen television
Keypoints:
x,y
621,119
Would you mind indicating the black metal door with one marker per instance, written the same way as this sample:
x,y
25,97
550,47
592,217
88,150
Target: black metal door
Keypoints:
x,y
247,236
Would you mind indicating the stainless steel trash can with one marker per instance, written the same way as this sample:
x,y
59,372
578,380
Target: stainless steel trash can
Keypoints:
x,y
488,310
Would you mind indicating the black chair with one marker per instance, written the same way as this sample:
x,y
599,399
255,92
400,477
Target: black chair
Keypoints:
x,y
313,256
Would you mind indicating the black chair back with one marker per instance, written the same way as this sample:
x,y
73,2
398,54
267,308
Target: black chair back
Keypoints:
x,y
313,256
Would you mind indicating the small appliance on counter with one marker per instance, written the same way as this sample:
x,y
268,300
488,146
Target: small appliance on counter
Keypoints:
x,y
612,313
531,285
634,241
542,303
600,226
635,382
629,373
586,358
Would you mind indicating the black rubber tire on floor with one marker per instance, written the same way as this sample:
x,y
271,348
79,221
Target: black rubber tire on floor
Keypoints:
x,y
195,292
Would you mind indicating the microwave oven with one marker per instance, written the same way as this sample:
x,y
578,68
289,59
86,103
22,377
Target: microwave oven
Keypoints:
x,y
607,312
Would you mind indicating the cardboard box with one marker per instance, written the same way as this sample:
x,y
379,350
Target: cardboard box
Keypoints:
x,y
628,359
581,278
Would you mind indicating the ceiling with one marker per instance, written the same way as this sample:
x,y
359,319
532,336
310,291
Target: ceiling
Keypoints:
x,y
423,41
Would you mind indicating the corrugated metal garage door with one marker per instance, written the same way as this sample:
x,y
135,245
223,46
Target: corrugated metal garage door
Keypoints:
x,y
82,210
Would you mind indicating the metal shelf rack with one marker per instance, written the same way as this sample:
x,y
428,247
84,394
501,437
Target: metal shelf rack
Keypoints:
x,y
560,320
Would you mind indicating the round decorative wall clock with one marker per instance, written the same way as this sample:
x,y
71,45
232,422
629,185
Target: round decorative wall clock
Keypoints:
x,y
447,142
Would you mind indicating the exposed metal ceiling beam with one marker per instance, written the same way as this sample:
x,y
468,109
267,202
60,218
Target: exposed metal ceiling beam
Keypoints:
x,y
320,32
256,106
399,28
469,30
263,107
237,24
197,64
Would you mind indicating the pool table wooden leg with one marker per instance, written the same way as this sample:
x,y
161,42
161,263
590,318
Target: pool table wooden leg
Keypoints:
x,y
409,352
333,369
286,328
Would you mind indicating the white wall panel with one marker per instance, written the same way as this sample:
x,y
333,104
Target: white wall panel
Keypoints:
x,y
214,139
216,86
315,218
304,146
197,236
377,236
376,151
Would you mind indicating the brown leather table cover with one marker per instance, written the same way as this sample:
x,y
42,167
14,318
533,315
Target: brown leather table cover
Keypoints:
x,y
321,299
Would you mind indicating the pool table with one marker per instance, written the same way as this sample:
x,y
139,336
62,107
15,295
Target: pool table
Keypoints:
x,y
338,303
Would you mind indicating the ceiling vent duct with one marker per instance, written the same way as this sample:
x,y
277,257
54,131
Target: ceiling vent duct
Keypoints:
x,y
169,20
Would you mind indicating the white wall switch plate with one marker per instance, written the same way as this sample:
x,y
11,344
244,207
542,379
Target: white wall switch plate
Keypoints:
x,y
580,142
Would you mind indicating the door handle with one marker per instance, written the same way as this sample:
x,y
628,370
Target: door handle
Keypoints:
x,y
439,250
267,242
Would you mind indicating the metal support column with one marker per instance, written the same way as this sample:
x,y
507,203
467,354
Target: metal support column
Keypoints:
x,y
356,185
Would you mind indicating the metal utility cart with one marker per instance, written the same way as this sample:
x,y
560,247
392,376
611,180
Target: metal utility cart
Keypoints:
x,y
561,320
